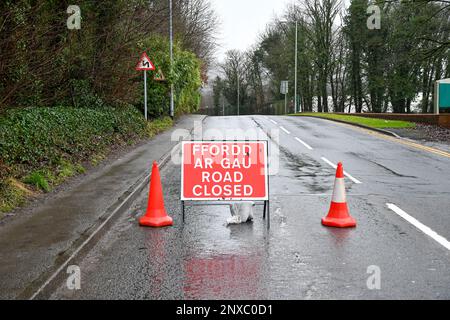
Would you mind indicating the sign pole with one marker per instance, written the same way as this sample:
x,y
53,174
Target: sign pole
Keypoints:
x,y
436,98
285,103
145,95
223,105
296,66
238,95
284,89
145,65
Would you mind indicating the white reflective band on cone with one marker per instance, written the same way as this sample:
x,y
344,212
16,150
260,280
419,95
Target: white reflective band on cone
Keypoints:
x,y
339,191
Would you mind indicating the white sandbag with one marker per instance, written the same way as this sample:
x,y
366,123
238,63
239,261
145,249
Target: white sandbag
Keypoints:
x,y
241,212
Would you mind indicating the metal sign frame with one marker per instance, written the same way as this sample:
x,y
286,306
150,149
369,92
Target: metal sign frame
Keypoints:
x,y
222,202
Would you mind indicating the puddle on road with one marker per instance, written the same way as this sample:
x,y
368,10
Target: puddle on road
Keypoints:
x,y
223,277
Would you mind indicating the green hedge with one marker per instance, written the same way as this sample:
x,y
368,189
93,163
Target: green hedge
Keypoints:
x,y
42,147
36,137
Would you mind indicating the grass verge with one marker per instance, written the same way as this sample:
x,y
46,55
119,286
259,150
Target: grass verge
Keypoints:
x,y
369,122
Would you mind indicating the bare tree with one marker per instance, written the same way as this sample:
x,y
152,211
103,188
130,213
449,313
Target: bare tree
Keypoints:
x,y
322,14
197,27
234,72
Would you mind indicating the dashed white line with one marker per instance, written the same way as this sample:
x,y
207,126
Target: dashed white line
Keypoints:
x,y
345,173
274,122
282,128
416,223
304,143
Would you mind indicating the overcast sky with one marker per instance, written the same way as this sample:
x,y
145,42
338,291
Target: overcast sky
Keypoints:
x,y
243,20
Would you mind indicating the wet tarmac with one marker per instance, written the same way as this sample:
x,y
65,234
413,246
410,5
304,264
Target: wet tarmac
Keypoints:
x,y
297,258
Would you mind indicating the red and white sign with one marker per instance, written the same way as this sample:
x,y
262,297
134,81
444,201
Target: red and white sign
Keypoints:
x,y
145,64
225,170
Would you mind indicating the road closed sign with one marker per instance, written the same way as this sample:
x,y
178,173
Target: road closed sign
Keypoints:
x,y
225,170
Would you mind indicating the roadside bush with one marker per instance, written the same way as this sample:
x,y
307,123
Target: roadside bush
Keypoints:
x,y
186,77
84,96
42,147
39,180
35,137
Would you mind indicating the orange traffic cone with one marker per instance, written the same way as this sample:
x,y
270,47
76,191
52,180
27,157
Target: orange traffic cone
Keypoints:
x,y
339,215
156,215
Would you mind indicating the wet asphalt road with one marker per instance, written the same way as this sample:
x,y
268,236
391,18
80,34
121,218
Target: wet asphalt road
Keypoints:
x,y
297,258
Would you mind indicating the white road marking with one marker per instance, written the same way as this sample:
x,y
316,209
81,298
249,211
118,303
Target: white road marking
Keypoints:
x,y
345,173
274,122
416,223
282,128
304,143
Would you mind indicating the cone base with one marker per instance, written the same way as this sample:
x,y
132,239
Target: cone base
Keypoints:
x,y
156,222
339,223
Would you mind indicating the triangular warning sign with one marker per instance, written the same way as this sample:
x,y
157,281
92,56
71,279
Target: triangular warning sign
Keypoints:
x,y
159,76
145,64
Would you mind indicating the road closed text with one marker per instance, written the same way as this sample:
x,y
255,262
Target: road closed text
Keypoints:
x,y
224,170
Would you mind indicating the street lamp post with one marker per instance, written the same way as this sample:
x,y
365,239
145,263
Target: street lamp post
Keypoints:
x,y
223,105
238,92
296,65
172,113
285,104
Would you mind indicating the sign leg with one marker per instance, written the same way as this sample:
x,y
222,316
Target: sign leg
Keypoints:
x,y
265,208
145,95
268,215
182,209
